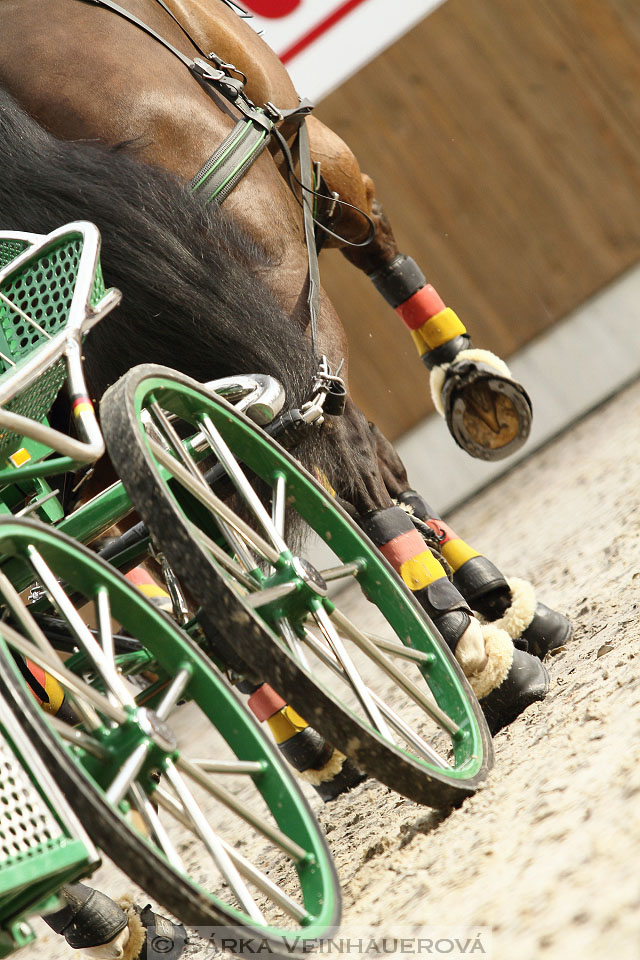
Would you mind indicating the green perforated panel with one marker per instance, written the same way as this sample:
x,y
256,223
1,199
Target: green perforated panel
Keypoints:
x,y
26,825
43,291
34,403
10,249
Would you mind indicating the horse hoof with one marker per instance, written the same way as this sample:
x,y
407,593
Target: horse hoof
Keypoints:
x,y
547,632
90,921
488,413
532,625
348,778
328,771
156,935
526,682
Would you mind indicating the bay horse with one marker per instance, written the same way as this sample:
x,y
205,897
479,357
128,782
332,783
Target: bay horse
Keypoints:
x,y
97,75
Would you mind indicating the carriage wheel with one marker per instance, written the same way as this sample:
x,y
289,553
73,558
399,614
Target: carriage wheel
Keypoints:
x,y
226,838
377,682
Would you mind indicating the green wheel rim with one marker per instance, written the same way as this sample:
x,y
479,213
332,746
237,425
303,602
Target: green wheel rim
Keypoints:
x,y
172,650
123,408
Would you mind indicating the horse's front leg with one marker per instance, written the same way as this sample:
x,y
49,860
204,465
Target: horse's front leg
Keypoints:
x,y
487,412
505,679
508,602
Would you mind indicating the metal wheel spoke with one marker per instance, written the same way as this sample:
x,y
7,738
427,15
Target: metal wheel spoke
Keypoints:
x,y
344,570
249,767
18,609
32,629
293,641
238,545
399,650
290,847
359,686
223,558
217,506
240,482
219,855
245,867
279,503
83,635
165,426
409,687
128,773
155,826
103,611
269,594
420,745
173,694
78,738
84,696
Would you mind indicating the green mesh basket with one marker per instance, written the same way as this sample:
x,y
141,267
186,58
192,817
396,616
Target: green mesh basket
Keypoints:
x,y
42,290
10,249
40,848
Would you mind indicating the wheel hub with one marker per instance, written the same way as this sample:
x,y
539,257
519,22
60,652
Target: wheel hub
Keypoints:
x,y
310,576
157,730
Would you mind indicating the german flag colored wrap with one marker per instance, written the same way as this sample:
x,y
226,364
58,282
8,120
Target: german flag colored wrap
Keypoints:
x,y
478,579
145,583
395,534
505,680
508,602
437,331
317,762
47,691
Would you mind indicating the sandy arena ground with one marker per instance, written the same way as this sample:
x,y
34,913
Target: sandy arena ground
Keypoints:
x,y
546,855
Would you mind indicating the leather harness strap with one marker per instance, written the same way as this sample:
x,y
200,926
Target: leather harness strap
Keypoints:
x,y
218,176
251,134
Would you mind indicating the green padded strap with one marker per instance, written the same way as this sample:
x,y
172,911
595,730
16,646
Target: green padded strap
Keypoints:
x,y
218,176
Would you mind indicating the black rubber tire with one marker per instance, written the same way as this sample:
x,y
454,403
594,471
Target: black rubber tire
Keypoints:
x,y
223,612
107,828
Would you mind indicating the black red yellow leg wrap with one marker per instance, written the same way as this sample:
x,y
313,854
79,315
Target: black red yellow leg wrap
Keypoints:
x,y
478,579
394,533
510,604
316,760
437,331
47,691
145,583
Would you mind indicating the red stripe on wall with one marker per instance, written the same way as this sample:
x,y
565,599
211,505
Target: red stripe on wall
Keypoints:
x,y
319,29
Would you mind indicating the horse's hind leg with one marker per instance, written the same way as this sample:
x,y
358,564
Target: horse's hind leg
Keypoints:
x,y
506,680
508,603
488,413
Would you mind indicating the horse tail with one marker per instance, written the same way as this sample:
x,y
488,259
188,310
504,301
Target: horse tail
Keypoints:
x,y
193,297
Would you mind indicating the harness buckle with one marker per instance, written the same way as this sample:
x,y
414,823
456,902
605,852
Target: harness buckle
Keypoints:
x,y
328,394
227,67
205,71
272,112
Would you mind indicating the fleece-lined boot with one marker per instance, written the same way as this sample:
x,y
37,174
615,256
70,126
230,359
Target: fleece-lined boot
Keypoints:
x,y
106,930
485,653
509,603
328,770
488,412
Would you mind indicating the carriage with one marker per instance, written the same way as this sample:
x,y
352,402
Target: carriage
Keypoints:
x,y
106,690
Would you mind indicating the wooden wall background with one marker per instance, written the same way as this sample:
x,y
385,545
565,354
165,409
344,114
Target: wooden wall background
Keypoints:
x,y
504,140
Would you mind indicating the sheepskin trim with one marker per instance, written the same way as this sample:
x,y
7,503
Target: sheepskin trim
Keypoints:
x,y
477,355
137,930
470,650
331,769
436,382
523,607
499,649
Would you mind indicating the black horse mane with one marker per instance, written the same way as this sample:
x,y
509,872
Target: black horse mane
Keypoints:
x,y
192,295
